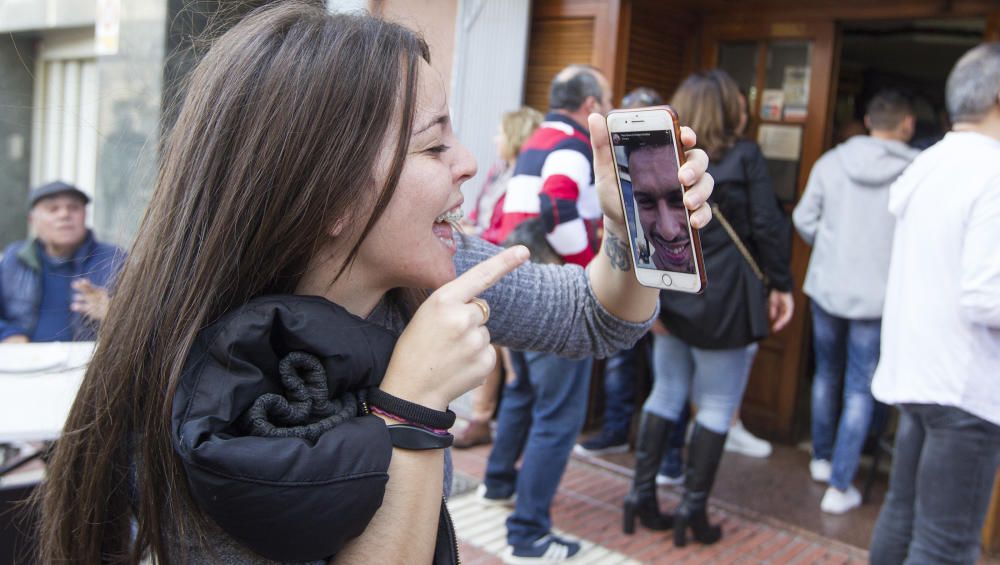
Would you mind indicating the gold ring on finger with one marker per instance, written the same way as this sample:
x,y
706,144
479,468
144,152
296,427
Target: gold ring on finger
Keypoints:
x,y
484,306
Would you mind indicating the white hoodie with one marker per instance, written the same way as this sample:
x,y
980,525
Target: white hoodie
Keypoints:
x,y
941,324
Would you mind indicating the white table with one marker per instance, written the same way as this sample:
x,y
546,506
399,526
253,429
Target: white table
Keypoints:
x,y
38,382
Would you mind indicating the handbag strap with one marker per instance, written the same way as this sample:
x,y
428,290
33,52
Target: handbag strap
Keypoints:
x,y
739,245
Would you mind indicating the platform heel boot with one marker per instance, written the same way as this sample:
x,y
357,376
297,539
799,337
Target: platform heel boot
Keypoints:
x,y
641,500
704,453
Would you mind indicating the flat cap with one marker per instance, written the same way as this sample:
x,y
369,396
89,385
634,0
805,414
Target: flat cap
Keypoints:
x,y
54,188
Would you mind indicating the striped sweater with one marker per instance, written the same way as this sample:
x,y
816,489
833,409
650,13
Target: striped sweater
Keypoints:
x,y
554,178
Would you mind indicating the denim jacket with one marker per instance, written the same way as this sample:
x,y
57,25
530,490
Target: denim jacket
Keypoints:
x,y
21,283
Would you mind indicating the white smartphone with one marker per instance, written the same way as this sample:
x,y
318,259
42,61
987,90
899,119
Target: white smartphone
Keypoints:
x,y
666,250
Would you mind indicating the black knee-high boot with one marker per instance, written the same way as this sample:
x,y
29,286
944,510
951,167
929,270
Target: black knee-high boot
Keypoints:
x,y
704,454
641,500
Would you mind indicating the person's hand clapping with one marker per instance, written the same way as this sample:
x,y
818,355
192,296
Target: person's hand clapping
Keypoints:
x,y
89,300
445,350
692,175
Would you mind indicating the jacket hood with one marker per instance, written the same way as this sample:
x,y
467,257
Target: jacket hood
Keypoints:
x,y
872,162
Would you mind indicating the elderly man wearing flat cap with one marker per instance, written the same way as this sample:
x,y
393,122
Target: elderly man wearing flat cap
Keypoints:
x,y
53,286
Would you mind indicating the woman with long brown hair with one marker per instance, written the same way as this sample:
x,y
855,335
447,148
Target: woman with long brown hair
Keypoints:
x,y
707,354
266,387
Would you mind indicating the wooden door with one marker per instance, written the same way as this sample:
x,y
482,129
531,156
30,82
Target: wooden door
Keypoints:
x,y
658,45
565,32
786,69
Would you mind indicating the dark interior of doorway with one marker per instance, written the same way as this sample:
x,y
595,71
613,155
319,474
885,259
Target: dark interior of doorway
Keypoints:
x,y
914,56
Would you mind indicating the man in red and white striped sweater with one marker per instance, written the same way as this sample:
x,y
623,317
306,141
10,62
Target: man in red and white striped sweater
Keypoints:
x,y
554,174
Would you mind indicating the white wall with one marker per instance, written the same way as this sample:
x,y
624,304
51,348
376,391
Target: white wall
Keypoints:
x,y
24,15
491,50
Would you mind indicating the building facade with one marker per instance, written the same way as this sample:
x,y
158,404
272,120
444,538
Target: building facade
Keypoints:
x,y
87,87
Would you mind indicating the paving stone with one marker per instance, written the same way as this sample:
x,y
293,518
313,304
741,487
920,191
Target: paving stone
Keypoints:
x,y
587,507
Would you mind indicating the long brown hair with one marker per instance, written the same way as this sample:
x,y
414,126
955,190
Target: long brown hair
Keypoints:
x,y
278,137
709,102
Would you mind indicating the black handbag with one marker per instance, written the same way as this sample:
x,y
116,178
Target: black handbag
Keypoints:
x,y
756,286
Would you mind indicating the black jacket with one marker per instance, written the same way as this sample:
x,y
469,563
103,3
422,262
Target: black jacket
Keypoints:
x,y
732,312
298,493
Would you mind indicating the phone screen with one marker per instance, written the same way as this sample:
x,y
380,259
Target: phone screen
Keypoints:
x,y
654,200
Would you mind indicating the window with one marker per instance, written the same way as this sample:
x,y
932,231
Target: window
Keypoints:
x,y
65,111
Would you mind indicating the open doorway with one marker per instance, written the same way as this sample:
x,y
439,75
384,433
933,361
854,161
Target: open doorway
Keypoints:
x,y
913,56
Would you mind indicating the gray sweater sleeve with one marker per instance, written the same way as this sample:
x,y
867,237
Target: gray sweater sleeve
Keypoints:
x,y
548,308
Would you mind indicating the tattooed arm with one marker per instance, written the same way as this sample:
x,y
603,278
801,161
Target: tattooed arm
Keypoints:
x,y
613,281
617,251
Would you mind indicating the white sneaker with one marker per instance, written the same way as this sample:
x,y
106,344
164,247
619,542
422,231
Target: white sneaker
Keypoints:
x,y
836,502
743,442
483,495
668,481
820,469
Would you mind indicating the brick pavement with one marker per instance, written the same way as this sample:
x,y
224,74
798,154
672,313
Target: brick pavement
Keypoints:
x,y
588,507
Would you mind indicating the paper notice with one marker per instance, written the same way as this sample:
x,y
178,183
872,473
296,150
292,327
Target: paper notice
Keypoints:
x,y
796,86
783,143
771,103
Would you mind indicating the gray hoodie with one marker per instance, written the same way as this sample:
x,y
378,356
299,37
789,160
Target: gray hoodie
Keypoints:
x,y
844,215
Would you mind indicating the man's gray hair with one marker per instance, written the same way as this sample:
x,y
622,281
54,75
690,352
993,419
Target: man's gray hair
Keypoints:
x,y
974,84
572,86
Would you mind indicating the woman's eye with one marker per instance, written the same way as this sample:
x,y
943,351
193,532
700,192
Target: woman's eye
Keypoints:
x,y
438,149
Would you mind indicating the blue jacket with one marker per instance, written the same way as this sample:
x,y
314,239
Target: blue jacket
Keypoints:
x,y
21,283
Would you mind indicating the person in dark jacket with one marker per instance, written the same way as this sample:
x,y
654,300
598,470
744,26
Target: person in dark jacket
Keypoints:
x,y
712,338
53,287
272,378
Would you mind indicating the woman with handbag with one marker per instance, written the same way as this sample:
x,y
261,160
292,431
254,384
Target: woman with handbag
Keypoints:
x,y
271,382
710,341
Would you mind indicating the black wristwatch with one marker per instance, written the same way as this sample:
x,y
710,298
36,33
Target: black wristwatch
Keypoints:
x,y
408,436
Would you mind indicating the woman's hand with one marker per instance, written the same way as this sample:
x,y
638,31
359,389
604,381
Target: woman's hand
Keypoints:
x,y
781,306
445,350
692,174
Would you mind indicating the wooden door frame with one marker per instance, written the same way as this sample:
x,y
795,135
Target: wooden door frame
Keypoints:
x,y
824,60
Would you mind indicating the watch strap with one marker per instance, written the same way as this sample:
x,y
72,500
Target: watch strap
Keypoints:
x,y
408,436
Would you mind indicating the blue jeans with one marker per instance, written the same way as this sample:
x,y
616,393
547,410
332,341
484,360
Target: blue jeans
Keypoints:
x,y
713,378
541,414
619,390
943,467
846,351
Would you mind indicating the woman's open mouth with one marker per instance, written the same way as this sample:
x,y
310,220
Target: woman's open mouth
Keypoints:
x,y
443,229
